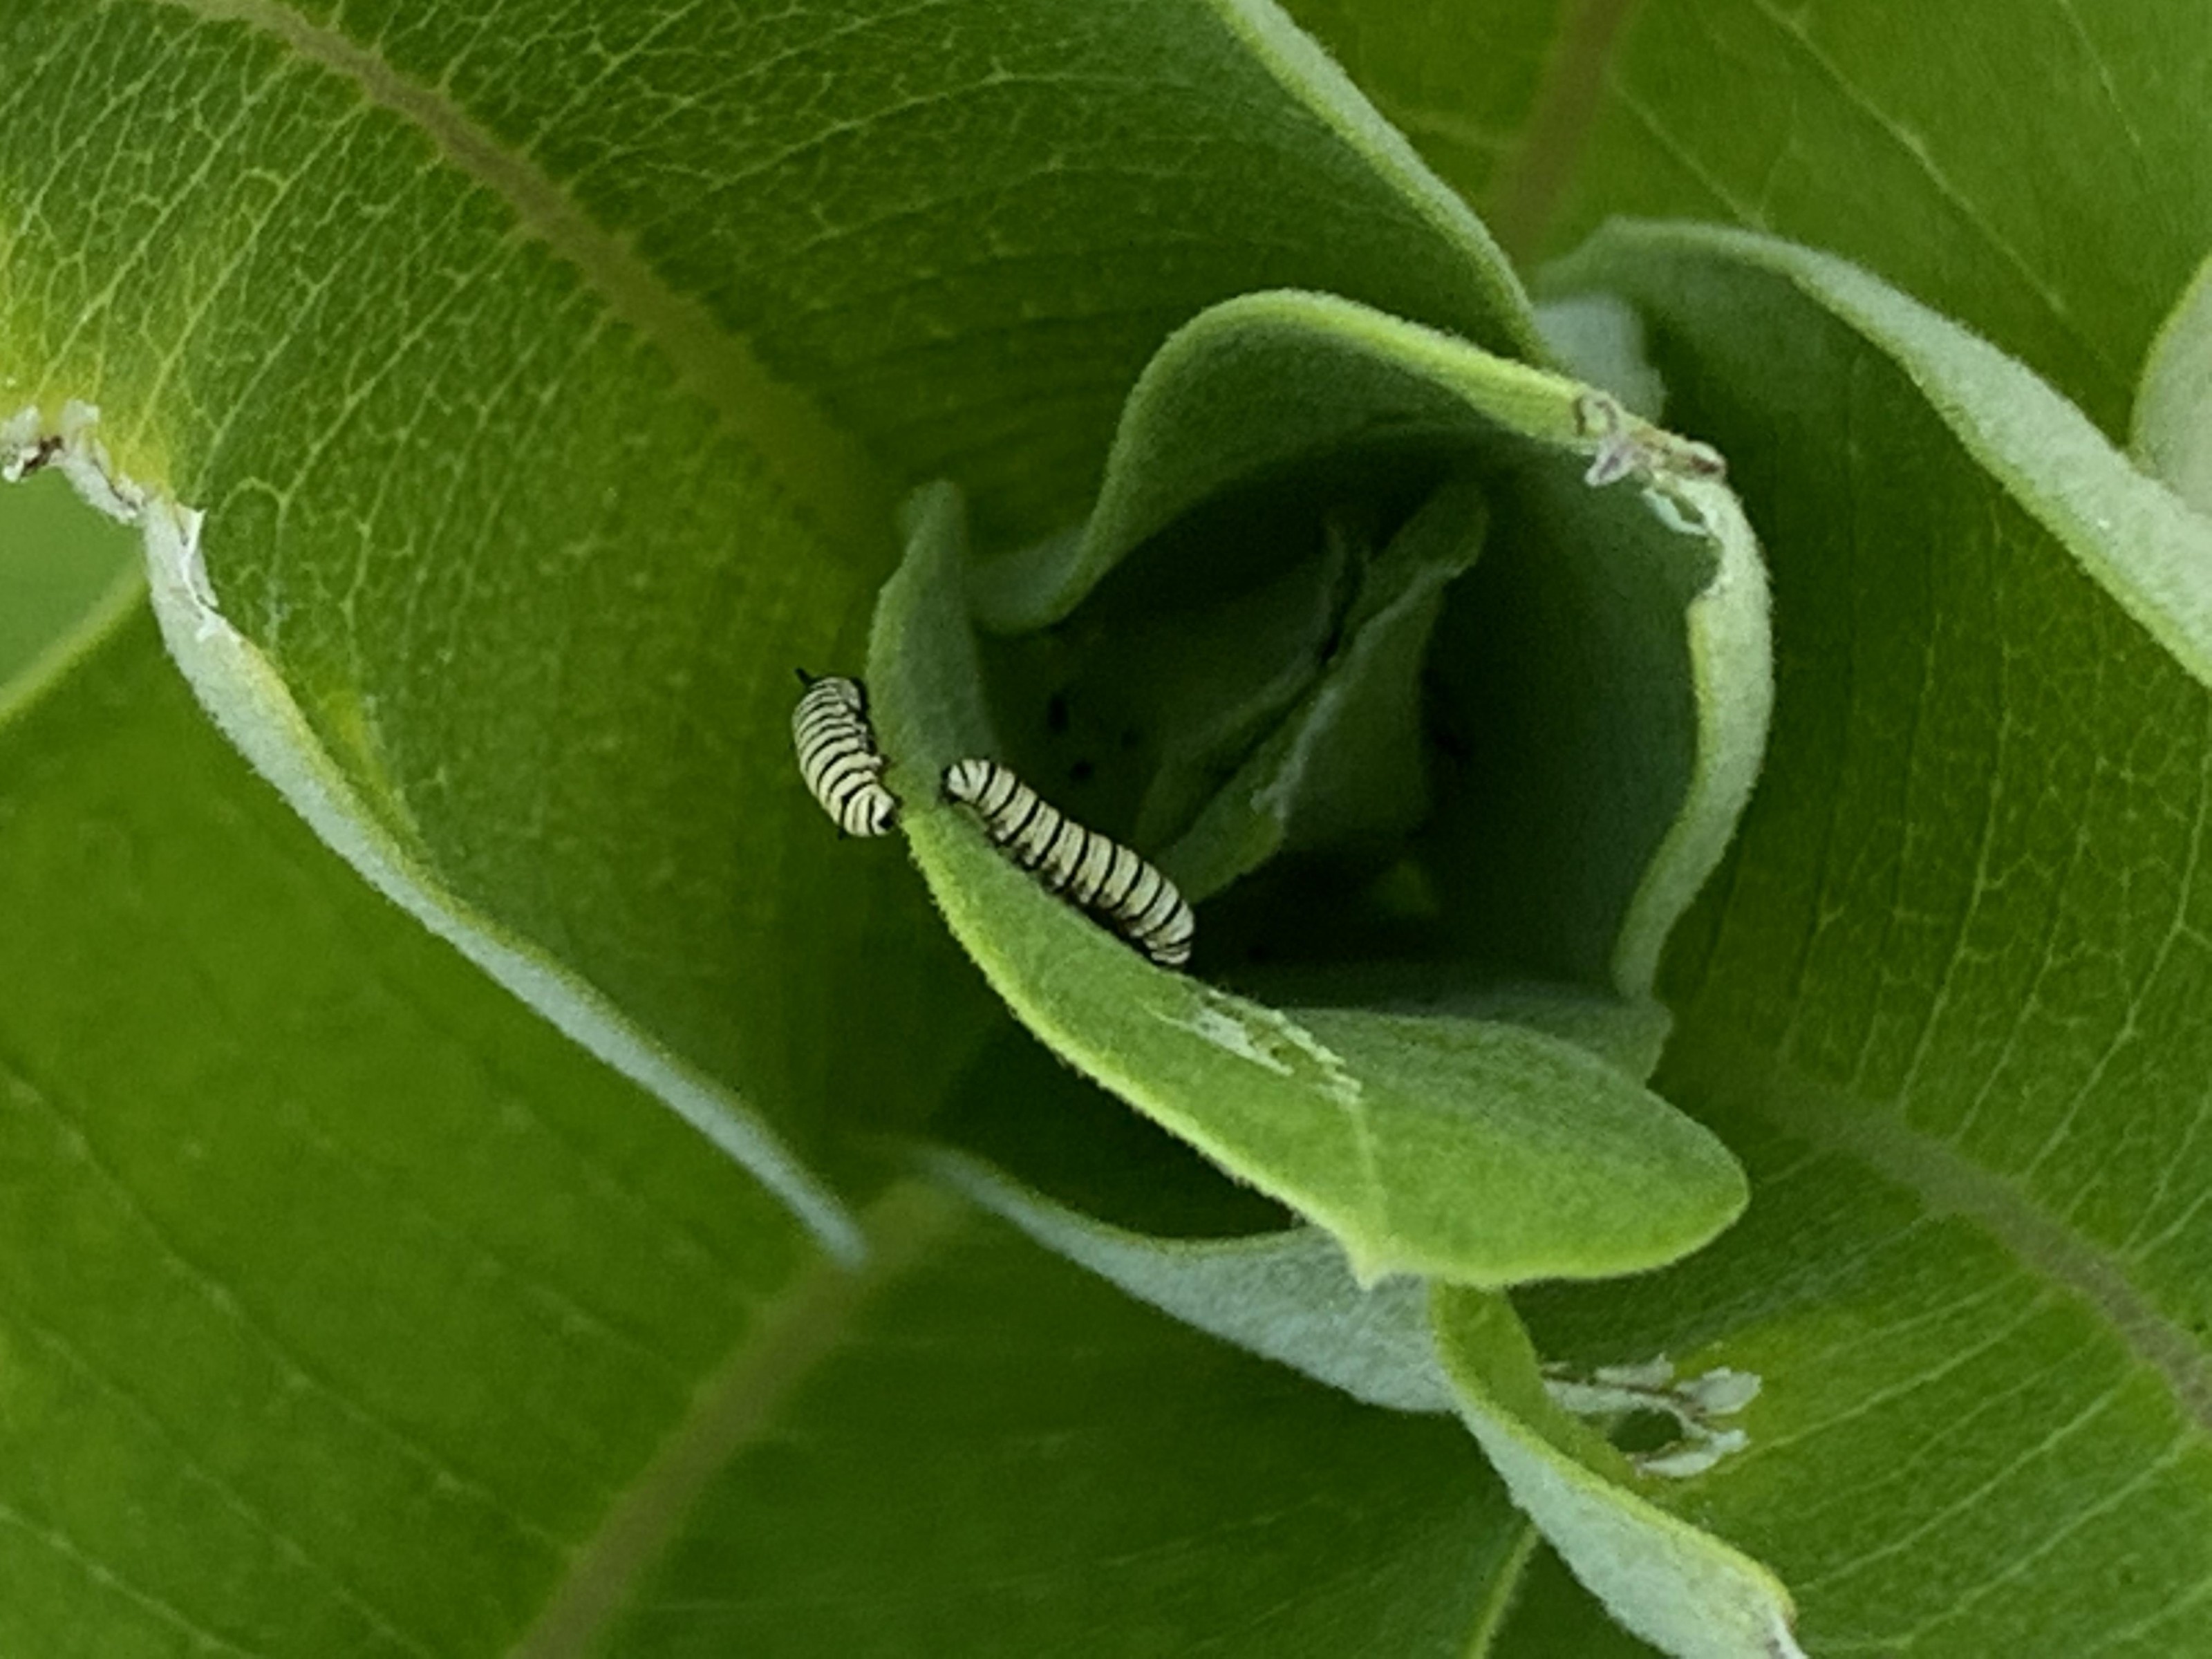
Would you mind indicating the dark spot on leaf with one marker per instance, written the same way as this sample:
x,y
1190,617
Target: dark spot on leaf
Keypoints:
x,y
1080,772
1645,1432
1056,713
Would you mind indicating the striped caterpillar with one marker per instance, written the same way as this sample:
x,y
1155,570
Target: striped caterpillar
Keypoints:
x,y
1091,870
838,756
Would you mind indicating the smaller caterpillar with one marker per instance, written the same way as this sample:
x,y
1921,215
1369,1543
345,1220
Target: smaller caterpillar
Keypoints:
x,y
1093,870
838,756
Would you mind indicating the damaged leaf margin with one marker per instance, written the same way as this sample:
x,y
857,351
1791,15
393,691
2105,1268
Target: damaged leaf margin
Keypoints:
x,y
1673,1583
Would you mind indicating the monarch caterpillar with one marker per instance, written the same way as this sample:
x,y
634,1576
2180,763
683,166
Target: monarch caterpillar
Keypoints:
x,y
838,756
1094,871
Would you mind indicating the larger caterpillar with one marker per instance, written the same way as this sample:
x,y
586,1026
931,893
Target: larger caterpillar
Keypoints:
x,y
838,756
1093,870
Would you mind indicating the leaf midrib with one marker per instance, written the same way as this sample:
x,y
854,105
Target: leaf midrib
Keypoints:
x,y
831,477
1524,197
1833,1119
801,1328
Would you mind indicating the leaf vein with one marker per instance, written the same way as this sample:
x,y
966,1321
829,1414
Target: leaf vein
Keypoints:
x,y
734,1409
2023,1560
1985,832
60,1543
228,1306
1972,1498
1948,1183
231,1497
831,477
1866,1404
1794,30
2134,1246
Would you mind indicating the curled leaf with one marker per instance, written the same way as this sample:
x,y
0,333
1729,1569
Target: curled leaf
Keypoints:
x,y
1484,1153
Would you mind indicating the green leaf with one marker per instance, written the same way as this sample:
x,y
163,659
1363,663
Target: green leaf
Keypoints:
x,y
2149,554
58,567
1288,1296
1347,767
2173,433
1552,1614
1258,386
2035,168
1481,91
1376,1126
1080,1173
1605,667
1629,1034
1007,1457
510,399
1947,995
1670,1582
438,1338
1955,1443
339,1295
516,400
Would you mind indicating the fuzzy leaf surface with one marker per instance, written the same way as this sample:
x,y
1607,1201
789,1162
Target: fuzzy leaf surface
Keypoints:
x,y
2035,168
346,1307
543,386
1604,668
1946,994
1380,1126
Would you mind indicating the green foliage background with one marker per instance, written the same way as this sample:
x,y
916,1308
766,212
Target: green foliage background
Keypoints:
x,y
506,396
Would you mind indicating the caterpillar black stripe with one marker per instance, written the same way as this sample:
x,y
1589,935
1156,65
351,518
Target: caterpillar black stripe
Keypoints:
x,y
838,756
1091,870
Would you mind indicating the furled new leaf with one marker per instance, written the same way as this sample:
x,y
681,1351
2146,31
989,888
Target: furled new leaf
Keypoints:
x,y
1381,1126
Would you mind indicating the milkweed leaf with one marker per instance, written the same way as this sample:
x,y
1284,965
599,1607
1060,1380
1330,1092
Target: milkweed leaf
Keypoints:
x,y
1375,1125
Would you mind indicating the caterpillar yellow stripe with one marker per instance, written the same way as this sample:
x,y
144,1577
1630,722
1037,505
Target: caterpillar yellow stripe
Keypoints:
x,y
1091,870
838,756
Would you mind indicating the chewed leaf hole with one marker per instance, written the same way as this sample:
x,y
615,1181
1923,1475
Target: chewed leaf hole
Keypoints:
x,y
1672,1427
